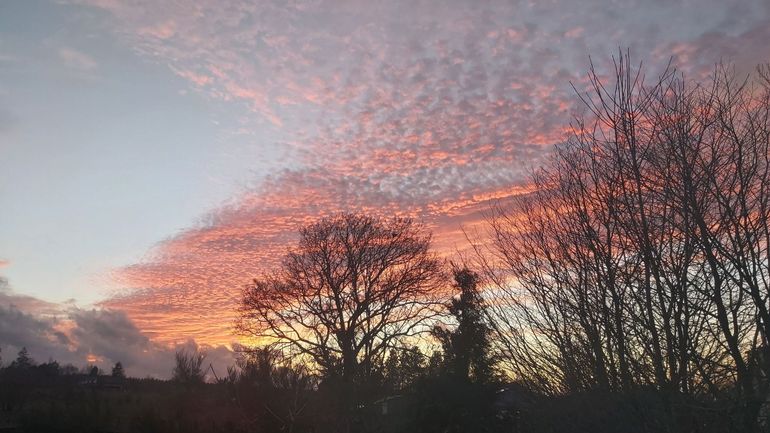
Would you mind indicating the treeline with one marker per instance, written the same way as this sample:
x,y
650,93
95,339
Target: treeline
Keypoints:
x,y
412,388
25,365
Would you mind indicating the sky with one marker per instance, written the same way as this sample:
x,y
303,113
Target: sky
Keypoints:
x,y
157,155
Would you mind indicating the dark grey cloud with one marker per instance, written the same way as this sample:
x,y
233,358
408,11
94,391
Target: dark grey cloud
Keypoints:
x,y
80,337
18,329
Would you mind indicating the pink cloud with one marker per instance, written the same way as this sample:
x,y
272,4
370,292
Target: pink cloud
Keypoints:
x,y
199,80
164,30
435,115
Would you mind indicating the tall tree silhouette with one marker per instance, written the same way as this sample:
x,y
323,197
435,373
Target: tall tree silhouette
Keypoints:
x,y
466,348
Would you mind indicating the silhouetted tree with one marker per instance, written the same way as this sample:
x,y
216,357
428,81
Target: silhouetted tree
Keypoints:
x,y
466,348
189,366
117,370
23,360
48,369
404,367
353,287
641,256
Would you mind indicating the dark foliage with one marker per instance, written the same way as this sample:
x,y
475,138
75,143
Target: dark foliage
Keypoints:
x,y
189,367
466,348
118,371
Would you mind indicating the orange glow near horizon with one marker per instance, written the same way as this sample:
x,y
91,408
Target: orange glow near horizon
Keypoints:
x,y
192,286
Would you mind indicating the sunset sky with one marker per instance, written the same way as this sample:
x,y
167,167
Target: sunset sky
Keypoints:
x,y
157,155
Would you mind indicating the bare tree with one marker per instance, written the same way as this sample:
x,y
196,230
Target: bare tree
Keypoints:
x,y
641,258
353,287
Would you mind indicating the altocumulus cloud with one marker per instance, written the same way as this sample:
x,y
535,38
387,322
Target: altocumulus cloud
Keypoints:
x,y
420,108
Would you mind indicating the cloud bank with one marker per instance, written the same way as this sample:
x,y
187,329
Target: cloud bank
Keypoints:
x,y
81,337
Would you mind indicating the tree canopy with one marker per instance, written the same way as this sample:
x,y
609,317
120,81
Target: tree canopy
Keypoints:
x,y
353,286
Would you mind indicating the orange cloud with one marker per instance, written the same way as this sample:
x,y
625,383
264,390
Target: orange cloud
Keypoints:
x,y
191,285
435,115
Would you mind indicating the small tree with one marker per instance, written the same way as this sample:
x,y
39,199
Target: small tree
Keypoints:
x,y
23,360
117,371
189,366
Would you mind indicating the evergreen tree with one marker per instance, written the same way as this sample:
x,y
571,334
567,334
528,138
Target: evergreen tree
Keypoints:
x,y
23,360
467,348
117,371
